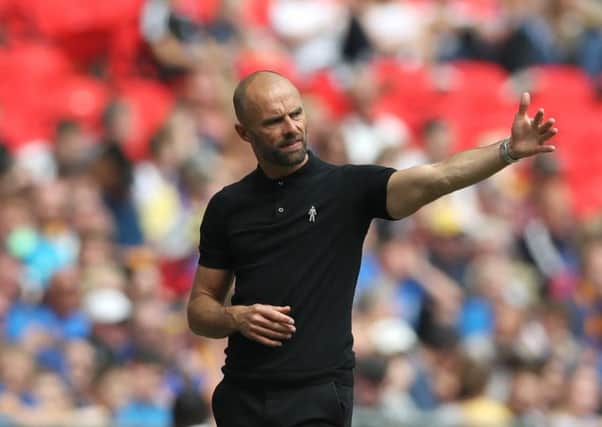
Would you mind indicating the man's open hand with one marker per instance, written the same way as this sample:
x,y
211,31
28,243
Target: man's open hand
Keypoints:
x,y
530,134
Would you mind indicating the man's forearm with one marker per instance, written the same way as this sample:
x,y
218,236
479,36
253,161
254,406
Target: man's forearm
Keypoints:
x,y
468,167
207,317
410,189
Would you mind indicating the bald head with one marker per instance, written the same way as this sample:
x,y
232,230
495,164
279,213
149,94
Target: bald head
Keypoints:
x,y
250,87
271,118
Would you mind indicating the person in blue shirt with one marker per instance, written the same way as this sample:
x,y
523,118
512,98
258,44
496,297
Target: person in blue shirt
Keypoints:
x,y
145,408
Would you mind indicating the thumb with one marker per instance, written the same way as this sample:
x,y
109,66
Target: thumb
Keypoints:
x,y
525,100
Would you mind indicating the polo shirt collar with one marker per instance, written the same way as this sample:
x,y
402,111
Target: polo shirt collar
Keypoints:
x,y
310,166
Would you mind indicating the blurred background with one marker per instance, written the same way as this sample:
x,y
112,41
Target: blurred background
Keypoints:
x,y
484,309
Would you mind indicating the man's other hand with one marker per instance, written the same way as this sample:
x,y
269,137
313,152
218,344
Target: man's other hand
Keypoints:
x,y
266,324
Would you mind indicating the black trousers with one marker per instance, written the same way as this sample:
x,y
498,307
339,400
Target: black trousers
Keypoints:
x,y
259,405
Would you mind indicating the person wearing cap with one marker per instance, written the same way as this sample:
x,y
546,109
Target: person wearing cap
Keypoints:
x,y
290,235
109,311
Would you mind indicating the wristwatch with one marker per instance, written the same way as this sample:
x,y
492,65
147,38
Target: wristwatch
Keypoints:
x,y
505,152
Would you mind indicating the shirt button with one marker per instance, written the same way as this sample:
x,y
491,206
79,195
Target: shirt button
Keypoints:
x,y
280,210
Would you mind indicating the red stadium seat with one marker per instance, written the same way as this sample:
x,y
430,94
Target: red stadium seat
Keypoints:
x,y
560,86
324,86
59,18
256,13
482,11
406,90
79,97
578,145
27,73
21,124
477,79
34,60
254,60
151,103
83,28
469,93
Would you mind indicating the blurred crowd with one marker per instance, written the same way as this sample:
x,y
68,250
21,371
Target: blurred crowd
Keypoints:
x,y
484,309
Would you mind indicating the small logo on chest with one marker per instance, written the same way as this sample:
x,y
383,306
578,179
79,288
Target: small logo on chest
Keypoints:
x,y
311,214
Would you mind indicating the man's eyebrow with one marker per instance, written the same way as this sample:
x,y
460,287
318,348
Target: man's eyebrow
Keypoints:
x,y
276,119
272,119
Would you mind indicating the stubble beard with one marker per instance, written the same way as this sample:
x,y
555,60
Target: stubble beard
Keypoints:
x,y
281,158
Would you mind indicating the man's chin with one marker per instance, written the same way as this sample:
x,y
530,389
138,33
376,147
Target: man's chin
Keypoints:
x,y
293,158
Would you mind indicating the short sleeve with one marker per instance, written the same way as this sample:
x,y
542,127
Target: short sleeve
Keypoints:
x,y
214,251
366,185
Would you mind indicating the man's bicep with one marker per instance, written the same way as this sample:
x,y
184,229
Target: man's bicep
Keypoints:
x,y
213,282
410,189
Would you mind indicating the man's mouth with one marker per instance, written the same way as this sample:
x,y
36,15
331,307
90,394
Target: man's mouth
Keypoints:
x,y
292,146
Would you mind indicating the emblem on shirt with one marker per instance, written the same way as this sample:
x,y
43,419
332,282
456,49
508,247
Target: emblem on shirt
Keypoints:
x,y
311,213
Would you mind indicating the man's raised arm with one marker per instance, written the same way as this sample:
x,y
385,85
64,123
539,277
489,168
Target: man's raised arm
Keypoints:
x,y
410,189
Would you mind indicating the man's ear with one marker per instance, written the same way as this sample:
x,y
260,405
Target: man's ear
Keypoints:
x,y
242,132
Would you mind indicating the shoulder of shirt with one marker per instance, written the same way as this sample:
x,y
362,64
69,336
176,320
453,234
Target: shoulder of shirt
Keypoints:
x,y
232,191
242,184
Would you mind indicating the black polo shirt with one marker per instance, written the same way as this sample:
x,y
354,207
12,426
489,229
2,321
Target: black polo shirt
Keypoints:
x,y
295,241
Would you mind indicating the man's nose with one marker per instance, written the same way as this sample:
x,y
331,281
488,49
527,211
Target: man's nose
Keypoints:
x,y
290,127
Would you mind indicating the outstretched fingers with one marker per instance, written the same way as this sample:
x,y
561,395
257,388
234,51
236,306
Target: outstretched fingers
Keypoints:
x,y
547,135
530,134
546,126
547,131
537,119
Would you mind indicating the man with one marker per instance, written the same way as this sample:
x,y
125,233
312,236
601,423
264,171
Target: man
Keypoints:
x,y
291,233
